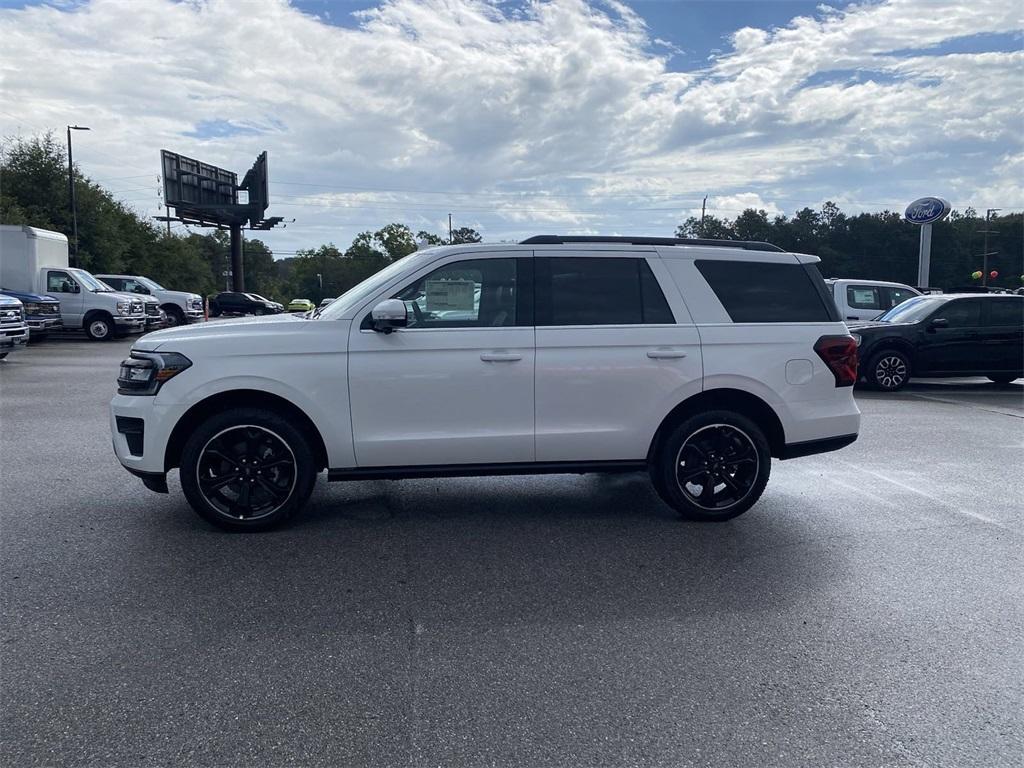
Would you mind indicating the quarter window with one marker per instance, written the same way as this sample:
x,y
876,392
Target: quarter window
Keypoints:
x,y
768,292
478,293
599,291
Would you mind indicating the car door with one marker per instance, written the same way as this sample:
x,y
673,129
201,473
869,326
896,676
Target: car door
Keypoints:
x,y
1003,334
456,385
72,302
612,354
956,345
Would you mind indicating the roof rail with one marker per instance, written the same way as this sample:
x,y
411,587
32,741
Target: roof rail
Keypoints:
x,y
747,245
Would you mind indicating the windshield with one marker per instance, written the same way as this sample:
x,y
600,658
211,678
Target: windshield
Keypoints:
x,y
89,282
151,284
911,310
353,296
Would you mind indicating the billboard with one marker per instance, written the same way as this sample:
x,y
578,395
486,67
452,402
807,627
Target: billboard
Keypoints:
x,y
193,187
256,183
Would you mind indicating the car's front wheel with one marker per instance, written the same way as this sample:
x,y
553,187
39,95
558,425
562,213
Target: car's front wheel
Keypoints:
x,y
247,469
713,466
889,370
99,328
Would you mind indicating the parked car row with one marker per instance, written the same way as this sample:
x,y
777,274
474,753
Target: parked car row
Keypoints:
x,y
40,292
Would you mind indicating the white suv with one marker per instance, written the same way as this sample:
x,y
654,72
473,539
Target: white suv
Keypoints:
x,y
695,360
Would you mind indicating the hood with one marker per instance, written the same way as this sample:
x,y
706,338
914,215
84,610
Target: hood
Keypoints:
x,y
9,301
32,297
220,329
185,295
868,325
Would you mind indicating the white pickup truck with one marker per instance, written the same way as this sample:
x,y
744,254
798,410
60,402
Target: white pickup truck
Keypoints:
x,y
181,307
867,299
36,260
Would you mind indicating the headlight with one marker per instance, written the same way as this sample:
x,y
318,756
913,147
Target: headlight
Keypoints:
x,y
124,307
144,372
856,338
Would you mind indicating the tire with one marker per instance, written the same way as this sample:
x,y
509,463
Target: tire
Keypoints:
x,y
175,316
214,309
739,469
1003,378
3,355
241,444
99,328
889,370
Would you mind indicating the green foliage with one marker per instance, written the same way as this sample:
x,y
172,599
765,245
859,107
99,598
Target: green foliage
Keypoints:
x,y
465,235
880,246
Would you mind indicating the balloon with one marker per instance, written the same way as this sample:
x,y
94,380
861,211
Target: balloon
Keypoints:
x,y
993,274
976,275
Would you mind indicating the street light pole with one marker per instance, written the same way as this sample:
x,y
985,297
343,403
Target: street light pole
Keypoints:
x,y
984,255
72,201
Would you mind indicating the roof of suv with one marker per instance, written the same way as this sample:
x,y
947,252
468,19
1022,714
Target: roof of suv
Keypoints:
x,y
746,245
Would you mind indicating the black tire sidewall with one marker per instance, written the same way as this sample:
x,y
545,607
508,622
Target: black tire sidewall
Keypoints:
x,y
176,313
873,365
297,440
664,474
110,328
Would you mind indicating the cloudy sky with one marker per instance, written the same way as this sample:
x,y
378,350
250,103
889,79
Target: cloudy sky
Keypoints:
x,y
529,117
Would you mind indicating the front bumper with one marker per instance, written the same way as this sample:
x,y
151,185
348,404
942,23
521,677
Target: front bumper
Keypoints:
x,y
13,338
130,324
156,422
155,322
194,316
42,325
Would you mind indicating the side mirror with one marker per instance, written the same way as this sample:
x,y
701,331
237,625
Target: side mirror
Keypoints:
x,y
938,322
389,315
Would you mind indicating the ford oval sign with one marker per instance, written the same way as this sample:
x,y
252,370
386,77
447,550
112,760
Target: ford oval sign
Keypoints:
x,y
927,210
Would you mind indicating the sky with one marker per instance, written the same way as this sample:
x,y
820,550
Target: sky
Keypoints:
x,y
522,118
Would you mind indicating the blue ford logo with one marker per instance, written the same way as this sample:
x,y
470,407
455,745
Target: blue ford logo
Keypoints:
x,y
926,210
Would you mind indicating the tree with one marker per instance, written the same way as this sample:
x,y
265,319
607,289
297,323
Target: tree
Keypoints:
x,y
465,235
396,240
430,239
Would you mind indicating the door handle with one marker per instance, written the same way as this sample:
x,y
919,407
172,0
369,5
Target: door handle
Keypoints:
x,y
665,354
500,357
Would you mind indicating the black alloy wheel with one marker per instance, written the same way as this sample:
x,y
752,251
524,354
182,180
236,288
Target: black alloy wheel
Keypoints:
x,y
889,370
246,472
247,469
713,466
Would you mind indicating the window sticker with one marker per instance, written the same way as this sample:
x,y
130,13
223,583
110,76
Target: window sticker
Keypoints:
x,y
444,295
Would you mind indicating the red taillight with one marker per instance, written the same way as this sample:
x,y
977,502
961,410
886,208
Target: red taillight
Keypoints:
x,y
840,355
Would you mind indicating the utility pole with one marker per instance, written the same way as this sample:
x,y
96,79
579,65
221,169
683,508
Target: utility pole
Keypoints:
x,y
449,229
985,253
703,207
71,193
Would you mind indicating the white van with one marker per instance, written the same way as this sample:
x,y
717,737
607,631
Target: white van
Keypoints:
x,y
867,299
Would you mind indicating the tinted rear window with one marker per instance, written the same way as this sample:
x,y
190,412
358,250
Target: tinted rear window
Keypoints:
x,y
599,291
766,292
1006,311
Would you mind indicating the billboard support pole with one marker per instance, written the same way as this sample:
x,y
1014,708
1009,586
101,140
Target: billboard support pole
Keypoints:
x,y
924,255
237,278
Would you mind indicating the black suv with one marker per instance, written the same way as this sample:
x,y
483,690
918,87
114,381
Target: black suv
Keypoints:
x,y
944,335
233,302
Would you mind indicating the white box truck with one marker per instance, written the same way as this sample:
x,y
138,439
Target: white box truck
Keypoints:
x,y
36,260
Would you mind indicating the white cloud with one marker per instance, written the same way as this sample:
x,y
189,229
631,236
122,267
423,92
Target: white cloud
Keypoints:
x,y
552,114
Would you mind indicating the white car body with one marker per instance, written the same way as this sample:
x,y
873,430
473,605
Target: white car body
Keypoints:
x,y
36,261
181,307
867,299
492,399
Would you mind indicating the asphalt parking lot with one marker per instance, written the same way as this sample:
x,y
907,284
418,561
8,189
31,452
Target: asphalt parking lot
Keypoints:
x,y
868,611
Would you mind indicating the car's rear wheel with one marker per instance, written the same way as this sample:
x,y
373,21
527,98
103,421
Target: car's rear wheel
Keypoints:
x,y
1003,378
215,310
889,370
247,469
713,466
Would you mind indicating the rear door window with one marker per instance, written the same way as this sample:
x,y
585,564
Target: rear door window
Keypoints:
x,y
1005,312
580,290
767,292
